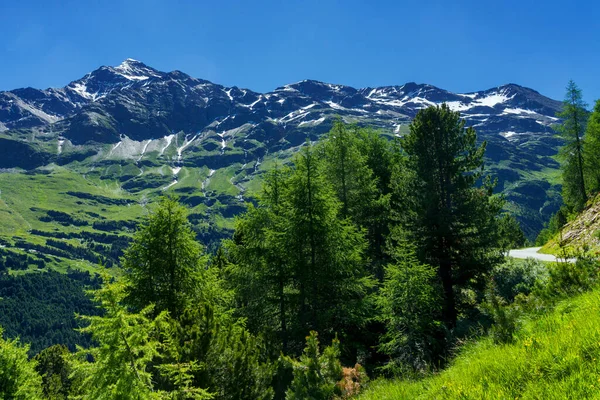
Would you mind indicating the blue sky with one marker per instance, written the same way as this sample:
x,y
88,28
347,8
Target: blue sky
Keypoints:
x,y
457,45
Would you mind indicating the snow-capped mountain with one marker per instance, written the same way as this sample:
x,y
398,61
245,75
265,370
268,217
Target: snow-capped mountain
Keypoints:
x,y
141,102
133,113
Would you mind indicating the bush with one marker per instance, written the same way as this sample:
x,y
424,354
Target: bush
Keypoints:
x,y
18,378
504,316
567,279
516,277
316,376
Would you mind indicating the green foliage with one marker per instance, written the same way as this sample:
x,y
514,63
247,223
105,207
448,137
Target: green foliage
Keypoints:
x,y
553,356
40,308
261,276
54,366
571,130
557,221
316,375
348,153
347,171
410,306
569,278
591,148
510,232
18,377
452,221
231,359
129,344
164,262
504,316
514,277
297,264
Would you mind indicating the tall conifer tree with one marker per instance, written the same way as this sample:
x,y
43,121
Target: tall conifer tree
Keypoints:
x,y
451,220
591,149
572,128
163,264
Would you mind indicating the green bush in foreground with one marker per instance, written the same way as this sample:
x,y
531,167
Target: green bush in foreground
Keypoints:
x,y
556,356
18,378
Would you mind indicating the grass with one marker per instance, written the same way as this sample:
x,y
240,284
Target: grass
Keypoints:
x,y
555,356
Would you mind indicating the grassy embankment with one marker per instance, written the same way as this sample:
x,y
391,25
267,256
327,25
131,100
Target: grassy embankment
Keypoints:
x,y
554,356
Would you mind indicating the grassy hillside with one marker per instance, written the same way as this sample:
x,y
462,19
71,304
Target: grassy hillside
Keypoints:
x,y
580,235
555,356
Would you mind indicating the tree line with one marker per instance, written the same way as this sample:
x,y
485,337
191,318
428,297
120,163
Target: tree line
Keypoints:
x,y
362,251
579,158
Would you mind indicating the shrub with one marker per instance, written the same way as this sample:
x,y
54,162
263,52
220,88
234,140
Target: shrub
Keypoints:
x,y
316,376
516,277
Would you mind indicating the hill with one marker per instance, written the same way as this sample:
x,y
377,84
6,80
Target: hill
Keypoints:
x,y
554,356
580,235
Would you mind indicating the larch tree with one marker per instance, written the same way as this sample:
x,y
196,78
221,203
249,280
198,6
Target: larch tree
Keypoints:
x,y
164,263
571,130
324,251
345,153
298,265
259,274
591,149
18,377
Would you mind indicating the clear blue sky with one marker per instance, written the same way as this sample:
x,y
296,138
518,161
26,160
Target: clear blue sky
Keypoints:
x,y
457,45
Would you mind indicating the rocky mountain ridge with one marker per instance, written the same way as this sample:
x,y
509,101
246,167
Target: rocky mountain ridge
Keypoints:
x,y
151,124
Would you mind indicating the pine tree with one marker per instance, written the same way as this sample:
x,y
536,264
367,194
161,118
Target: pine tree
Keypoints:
x,y
164,263
591,149
232,359
53,365
357,188
452,221
316,375
409,305
18,377
346,168
511,234
572,128
260,275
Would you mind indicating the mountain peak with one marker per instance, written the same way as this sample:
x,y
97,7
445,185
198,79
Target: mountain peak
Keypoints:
x,y
135,70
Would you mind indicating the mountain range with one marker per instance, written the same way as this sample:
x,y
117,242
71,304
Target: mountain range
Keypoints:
x,y
102,147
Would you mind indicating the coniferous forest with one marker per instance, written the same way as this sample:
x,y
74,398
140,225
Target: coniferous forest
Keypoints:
x,y
364,261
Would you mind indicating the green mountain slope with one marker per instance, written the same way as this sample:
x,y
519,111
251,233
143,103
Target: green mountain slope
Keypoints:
x,y
555,356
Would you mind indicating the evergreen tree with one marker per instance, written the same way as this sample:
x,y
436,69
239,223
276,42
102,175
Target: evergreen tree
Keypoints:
x,y
54,367
591,149
164,266
379,155
130,345
324,251
571,130
511,234
232,360
452,221
363,201
261,276
409,304
346,168
18,377
297,264
316,375
164,263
